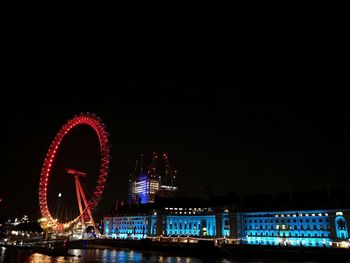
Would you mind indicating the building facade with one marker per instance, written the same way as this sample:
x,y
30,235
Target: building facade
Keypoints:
x,y
317,228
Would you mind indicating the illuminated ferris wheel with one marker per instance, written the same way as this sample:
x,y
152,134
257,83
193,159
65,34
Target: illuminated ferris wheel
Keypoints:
x,y
86,203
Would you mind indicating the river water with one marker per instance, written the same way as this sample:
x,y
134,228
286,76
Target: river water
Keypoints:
x,y
94,256
103,256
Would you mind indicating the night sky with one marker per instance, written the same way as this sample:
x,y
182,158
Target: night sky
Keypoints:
x,y
241,120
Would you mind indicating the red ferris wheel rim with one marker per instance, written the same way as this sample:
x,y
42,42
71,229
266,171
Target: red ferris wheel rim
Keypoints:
x,y
82,119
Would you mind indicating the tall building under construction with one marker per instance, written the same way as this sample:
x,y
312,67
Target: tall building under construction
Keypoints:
x,y
146,183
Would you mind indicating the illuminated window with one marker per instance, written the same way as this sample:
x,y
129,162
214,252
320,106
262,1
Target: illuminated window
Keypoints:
x,y
283,227
326,214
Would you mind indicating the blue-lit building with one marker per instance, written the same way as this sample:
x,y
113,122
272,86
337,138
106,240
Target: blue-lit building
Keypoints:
x,y
126,227
301,228
235,223
151,183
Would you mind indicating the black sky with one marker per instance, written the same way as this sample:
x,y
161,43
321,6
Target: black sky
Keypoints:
x,y
241,120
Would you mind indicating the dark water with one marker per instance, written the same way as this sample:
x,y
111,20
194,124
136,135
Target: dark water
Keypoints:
x,y
103,255
92,255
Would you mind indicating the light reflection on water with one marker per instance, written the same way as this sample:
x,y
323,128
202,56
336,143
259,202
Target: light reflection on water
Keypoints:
x,y
102,256
94,256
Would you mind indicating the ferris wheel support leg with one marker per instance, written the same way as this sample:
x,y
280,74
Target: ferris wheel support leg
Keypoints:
x,y
78,194
86,203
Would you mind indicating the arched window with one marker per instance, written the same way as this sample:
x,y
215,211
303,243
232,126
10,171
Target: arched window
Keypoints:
x,y
341,228
341,224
